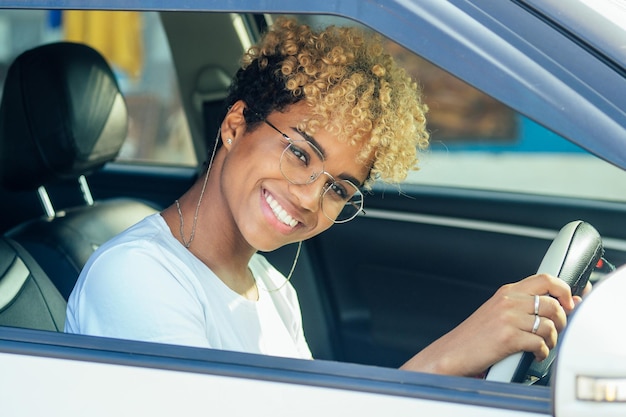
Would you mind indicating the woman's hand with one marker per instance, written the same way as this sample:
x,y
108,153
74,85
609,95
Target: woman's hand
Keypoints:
x,y
503,325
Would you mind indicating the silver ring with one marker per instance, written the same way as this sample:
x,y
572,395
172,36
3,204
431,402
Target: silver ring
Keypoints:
x,y
536,305
536,324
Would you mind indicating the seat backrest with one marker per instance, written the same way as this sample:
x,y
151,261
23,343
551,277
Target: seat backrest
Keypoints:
x,y
63,244
63,116
27,296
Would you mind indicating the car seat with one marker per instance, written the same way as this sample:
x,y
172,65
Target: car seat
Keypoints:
x,y
62,117
28,298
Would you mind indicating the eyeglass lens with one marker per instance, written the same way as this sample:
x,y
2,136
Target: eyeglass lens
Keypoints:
x,y
302,163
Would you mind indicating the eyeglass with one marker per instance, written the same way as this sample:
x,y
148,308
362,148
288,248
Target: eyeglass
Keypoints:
x,y
302,163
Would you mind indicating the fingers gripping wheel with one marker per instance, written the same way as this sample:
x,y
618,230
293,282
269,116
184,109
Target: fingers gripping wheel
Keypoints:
x,y
572,257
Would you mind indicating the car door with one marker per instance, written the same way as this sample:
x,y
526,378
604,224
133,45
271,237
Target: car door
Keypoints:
x,y
377,289
77,375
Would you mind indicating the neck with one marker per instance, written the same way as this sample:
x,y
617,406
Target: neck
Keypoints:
x,y
216,241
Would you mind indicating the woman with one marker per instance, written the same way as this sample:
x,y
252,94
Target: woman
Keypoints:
x,y
313,118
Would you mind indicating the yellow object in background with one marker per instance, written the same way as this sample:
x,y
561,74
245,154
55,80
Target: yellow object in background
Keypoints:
x,y
117,35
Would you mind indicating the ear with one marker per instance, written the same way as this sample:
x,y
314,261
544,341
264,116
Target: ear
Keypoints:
x,y
234,124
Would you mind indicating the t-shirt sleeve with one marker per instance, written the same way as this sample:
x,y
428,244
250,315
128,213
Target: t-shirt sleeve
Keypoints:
x,y
130,293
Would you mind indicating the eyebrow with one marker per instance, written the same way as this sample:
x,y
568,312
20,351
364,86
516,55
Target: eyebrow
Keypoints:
x,y
315,143
352,179
311,139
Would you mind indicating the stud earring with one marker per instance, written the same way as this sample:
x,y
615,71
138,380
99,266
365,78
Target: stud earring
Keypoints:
x,y
229,141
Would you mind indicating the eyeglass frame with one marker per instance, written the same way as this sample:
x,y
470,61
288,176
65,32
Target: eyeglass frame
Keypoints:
x,y
323,172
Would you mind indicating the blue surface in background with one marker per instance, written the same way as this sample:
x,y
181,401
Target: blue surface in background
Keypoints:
x,y
531,137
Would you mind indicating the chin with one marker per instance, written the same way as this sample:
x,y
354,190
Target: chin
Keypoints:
x,y
271,247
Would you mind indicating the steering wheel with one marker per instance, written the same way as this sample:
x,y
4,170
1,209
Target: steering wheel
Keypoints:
x,y
572,256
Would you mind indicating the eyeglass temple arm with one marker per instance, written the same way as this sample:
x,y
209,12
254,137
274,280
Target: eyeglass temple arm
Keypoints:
x,y
278,130
361,209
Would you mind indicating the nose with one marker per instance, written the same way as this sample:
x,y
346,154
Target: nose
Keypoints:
x,y
309,195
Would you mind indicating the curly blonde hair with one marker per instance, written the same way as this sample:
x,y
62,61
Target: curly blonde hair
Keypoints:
x,y
354,90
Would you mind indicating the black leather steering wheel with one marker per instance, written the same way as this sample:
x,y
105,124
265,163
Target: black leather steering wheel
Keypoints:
x,y
572,256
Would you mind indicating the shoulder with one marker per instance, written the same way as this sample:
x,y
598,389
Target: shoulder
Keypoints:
x,y
135,286
145,255
148,240
151,228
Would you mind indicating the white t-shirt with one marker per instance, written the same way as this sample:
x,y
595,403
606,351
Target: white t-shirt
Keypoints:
x,y
145,285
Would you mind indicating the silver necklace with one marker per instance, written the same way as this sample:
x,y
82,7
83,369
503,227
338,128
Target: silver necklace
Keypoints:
x,y
293,267
186,242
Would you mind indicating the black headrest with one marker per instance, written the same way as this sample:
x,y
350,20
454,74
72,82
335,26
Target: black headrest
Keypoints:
x,y
62,115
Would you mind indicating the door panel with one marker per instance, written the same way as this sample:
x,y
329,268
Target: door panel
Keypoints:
x,y
160,185
401,276
164,380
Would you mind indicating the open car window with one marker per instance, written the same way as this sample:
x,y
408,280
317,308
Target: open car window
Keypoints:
x,y
476,141
479,143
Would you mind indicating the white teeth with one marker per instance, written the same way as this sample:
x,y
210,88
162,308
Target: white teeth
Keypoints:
x,y
280,212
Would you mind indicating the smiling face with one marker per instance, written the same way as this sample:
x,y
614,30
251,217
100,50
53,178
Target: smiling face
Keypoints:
x,y
269,210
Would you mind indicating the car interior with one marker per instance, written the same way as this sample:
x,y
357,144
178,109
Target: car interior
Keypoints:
x,y
85,130
375,290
